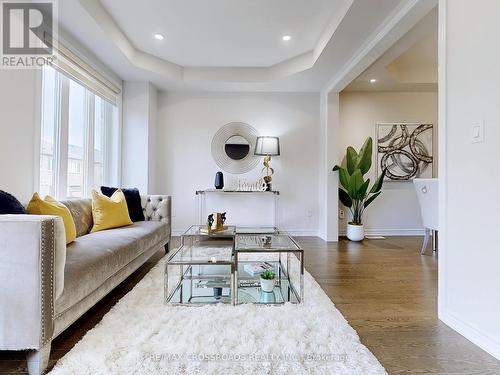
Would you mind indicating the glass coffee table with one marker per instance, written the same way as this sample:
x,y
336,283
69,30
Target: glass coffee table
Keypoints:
x,y
220,267
281,253
200,271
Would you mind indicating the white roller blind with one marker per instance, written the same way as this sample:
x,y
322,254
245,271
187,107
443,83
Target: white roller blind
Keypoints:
x,y
75,68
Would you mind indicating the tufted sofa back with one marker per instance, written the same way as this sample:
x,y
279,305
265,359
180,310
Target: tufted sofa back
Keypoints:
x,y
155,208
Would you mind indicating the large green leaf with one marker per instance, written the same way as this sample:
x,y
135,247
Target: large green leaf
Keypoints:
x,y
345,198
371,199
351,159
355,183
378,184
344,178
365,156
360,194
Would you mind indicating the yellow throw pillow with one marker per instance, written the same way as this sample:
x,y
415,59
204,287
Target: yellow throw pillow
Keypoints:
x,y
109,212
49,206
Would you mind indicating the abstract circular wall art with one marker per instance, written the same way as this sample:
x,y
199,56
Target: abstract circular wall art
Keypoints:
x,y
405,150
233,147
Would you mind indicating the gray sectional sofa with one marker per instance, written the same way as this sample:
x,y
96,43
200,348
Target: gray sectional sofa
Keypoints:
x,y
45,285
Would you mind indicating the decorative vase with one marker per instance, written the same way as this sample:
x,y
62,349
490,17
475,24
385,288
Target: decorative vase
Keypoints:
x,y
267,297
355,232
217,293
219,180
267,285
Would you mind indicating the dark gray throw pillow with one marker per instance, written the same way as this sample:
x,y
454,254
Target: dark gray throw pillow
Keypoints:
x,y
10,205
133,198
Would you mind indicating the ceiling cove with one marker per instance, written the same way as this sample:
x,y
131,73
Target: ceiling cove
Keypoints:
x,y
116,19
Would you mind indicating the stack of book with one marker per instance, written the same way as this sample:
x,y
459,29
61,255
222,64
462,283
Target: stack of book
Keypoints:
x,y
257,268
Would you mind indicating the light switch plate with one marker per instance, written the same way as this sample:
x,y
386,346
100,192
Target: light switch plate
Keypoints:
x,y
477,132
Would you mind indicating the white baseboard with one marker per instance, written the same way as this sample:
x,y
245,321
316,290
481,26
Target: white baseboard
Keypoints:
x,y
303,233
314,233
474,335
325,238
293,232
389,232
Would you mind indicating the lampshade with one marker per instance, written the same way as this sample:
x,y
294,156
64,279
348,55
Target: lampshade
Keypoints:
x,y
267,146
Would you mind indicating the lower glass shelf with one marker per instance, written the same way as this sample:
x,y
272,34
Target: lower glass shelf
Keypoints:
x,y
255,295
192,291
202,284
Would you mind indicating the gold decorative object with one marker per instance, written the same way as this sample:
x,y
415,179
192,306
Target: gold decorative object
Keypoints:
x,y
267,147
268,177
215,223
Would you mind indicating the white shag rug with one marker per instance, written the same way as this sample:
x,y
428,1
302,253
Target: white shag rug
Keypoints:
x,y
141,335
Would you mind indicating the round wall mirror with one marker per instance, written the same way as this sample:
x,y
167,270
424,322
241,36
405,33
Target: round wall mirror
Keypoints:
x,y
233,146
237,147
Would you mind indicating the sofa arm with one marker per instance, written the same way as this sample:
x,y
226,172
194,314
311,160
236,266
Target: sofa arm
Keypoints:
x,y
32,260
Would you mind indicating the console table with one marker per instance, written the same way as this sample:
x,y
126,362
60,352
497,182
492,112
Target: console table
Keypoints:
x,y
244,196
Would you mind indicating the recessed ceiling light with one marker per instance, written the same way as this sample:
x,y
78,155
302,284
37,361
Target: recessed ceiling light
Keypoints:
x,y
373,80
159,36
286,38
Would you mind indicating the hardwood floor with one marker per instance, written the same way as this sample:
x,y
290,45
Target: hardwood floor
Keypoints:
x,y
388,293
384,288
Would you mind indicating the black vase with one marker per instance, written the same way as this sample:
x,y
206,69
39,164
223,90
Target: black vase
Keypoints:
x,y
219,180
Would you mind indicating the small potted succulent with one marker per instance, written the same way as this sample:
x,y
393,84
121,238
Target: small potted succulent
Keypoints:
x,y
267,279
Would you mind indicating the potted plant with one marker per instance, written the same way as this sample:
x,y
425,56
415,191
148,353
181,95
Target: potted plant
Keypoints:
x,y
355,193
267,281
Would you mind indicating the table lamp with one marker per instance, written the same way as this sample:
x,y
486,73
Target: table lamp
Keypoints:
x,y
267,147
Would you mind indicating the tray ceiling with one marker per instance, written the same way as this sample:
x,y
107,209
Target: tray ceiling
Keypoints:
x,y
224,33
236,45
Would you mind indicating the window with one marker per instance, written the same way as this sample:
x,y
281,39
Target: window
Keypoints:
x,y
77,126
102,115
48,133
75,129
75,167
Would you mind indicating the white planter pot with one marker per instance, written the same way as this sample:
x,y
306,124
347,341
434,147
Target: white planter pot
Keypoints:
x,y
355,232
267,285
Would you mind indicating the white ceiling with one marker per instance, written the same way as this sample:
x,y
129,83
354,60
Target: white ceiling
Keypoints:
x,y
224,33
411,64
203,49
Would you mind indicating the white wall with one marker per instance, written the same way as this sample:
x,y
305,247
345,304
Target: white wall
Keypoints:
x,y
187,123
469,260
152,134
19,111
328,225
396,210
138,133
